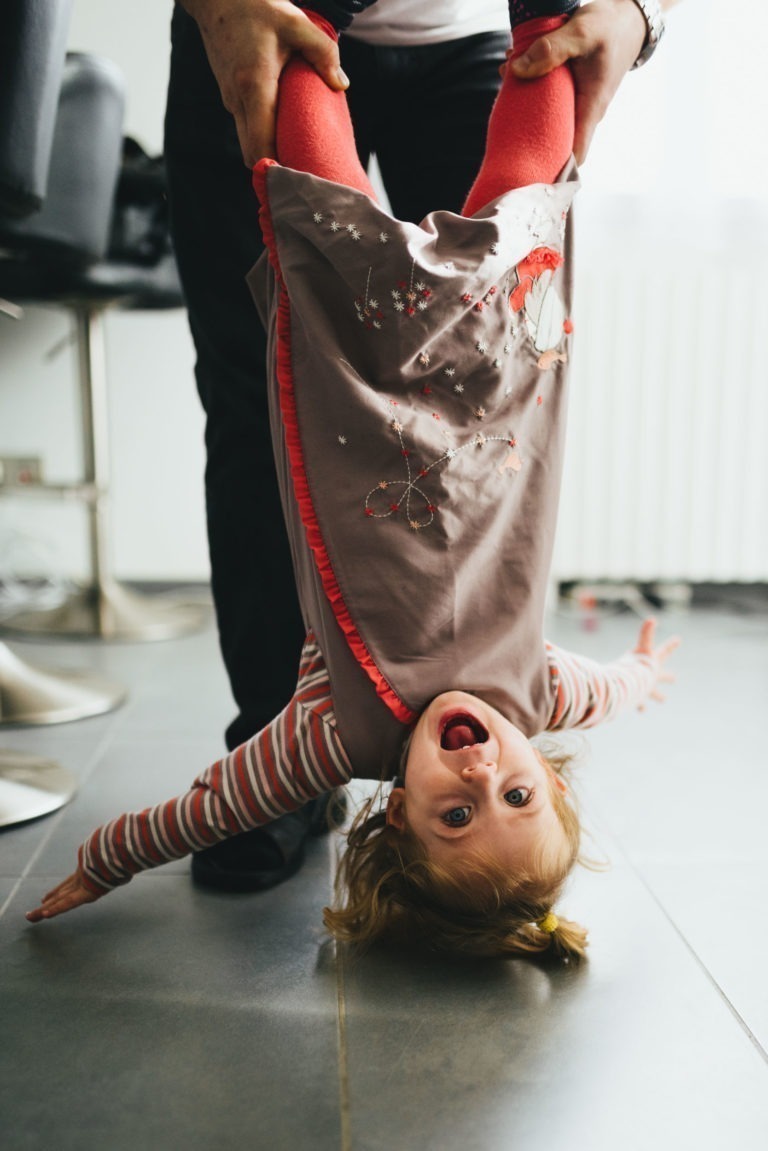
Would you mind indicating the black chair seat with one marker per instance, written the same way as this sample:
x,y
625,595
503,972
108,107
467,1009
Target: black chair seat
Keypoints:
x,y
29,281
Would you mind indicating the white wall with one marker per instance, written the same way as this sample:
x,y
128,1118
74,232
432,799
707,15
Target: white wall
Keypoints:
x,y
155,416
685,134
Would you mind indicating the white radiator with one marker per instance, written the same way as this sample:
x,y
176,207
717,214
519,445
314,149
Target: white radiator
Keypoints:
x,y
667,462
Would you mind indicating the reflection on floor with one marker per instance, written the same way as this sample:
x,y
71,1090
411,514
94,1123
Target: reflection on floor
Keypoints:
x,y
164,1017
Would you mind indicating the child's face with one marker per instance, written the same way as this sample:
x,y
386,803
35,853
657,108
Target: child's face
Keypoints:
x,y
474,782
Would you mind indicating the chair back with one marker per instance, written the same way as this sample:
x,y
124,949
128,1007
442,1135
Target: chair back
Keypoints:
x,y
32,50
73,222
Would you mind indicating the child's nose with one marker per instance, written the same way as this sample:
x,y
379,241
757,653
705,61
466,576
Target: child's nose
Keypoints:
x,y
479,772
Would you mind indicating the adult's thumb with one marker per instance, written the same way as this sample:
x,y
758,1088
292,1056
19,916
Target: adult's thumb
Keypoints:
x,y
323,54
545,54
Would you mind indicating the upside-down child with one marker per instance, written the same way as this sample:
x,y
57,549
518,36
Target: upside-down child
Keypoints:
x,y
418,407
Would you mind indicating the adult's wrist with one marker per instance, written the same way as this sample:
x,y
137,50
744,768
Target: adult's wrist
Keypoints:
x,y
654,23
339,13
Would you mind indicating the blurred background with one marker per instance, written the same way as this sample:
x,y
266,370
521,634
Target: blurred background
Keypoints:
x,y
666,477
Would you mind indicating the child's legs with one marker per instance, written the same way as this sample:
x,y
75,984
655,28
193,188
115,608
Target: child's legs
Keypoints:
x,y
530,132
314,129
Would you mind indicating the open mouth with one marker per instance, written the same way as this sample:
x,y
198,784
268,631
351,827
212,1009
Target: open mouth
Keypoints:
x,y
461,730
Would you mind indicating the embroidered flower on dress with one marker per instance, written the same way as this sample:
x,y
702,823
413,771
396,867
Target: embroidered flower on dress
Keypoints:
x,y
413,296
367,308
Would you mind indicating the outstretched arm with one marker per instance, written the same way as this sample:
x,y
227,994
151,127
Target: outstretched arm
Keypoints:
x,y
601,41
588,692
291,761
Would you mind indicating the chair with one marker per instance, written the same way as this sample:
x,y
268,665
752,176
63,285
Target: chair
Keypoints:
x,y
57,258
32,56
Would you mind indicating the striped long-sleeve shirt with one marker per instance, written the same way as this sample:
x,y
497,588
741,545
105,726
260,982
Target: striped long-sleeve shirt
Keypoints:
x,y
299,755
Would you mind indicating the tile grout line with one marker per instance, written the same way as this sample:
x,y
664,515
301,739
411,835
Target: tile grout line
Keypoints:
x,y
346,1134
697,958
341,1028
55,821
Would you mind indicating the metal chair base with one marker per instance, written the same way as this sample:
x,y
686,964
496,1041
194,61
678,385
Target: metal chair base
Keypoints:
x,y
31,787
29,695
111,611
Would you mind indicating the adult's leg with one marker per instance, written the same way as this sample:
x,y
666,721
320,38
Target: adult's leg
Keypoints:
x,y
424,112
217,239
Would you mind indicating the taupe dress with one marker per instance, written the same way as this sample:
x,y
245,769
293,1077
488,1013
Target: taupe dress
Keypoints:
x,y
418,407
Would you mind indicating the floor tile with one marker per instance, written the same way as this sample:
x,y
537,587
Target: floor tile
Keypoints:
x,y
165,1017
632,1050
719,910
169,1017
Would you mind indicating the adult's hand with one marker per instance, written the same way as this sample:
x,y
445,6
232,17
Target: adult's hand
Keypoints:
x,y
601,41
248,43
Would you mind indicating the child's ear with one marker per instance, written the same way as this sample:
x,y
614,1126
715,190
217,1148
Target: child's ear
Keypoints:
x,y
558,780
396,809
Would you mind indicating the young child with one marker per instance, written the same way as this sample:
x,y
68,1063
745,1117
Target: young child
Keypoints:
x,y
418,406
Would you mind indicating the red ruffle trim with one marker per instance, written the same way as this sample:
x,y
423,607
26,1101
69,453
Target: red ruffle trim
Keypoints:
x,y
298,473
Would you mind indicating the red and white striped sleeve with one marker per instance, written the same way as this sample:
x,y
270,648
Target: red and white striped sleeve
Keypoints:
x,y
295,758
587,693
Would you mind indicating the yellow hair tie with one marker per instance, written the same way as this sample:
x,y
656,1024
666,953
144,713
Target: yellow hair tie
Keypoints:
x,y
549,923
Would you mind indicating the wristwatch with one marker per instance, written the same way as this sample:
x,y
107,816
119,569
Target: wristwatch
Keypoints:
x,y
654,21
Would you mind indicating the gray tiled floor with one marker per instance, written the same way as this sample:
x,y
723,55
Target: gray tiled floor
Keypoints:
x,y
164,1017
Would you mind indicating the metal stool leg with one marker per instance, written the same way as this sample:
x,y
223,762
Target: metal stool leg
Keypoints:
x,y
31,787
105,609
30,695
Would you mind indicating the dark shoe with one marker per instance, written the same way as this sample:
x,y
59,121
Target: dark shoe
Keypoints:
x,y
268,855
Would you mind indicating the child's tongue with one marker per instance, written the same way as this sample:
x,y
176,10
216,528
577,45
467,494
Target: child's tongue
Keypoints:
x,y
457,736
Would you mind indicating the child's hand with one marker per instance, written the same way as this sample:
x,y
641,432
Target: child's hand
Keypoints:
x,y
67,896
659,655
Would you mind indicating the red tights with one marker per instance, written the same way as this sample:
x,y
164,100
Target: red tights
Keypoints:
x,y
530,131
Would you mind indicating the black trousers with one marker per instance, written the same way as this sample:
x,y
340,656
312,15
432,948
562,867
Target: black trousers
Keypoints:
x,y
423,111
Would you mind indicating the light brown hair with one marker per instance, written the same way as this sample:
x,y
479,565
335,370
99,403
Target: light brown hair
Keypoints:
x,y
387,887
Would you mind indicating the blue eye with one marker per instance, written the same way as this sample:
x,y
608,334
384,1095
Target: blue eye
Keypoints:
x,y
457,816
518,796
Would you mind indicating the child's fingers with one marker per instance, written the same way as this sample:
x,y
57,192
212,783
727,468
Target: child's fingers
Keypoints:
x,y
646,636
70,893
668,647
